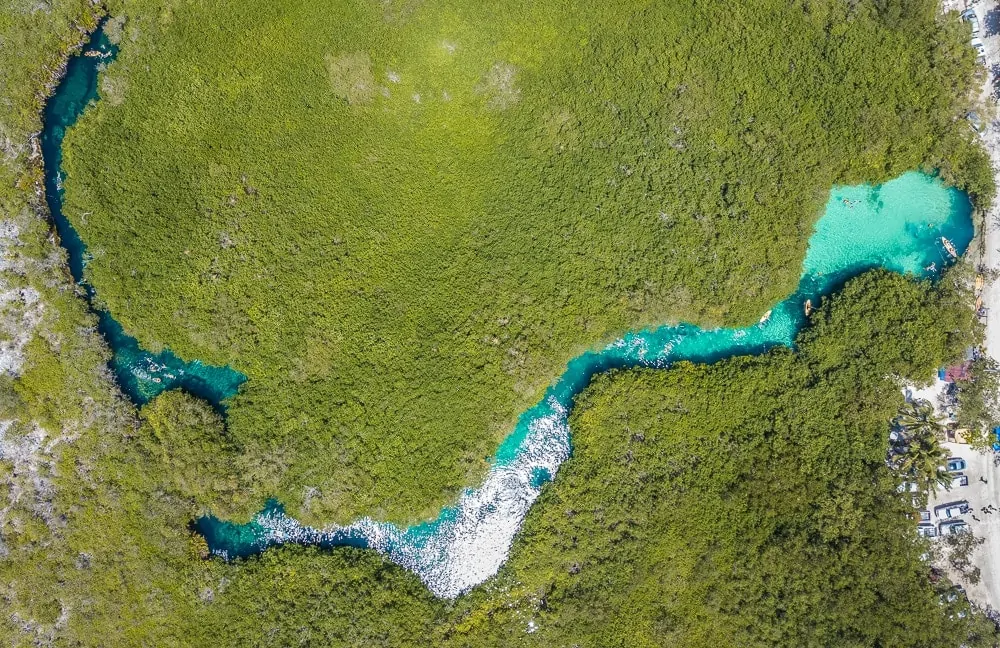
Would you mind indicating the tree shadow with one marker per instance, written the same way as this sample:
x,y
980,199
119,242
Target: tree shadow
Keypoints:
x,y
991,22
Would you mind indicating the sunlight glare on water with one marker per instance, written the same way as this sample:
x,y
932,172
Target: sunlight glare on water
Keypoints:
x,y
897,226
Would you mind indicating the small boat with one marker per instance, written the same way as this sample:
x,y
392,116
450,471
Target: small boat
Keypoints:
x,y
949,248
767,316
808,307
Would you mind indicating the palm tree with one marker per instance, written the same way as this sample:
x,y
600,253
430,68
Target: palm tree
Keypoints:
x,y
917,417
923,457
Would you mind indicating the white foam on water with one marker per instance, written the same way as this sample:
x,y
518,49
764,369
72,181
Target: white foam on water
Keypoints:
x,y
470,542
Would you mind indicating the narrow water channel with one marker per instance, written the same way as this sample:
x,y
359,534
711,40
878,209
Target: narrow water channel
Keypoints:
x,y
898,226
140,373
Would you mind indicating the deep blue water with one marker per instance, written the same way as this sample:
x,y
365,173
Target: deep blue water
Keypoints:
x,y
140,374
898,226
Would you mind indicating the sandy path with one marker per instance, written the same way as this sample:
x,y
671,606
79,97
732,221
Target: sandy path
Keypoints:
x,y
981,493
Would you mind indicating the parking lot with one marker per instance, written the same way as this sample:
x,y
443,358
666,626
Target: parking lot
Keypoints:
x,y
982,517
983,490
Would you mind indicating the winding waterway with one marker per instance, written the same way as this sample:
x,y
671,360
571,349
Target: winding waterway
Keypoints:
x,y
898,226
140,374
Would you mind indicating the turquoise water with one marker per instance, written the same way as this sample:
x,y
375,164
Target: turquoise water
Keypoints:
x,y
140,374
897,226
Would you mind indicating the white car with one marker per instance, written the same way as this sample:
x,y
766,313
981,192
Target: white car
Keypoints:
x,y
979,47
952,510
927,530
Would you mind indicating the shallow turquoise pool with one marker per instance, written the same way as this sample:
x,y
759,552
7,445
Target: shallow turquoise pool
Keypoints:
x,y
898,226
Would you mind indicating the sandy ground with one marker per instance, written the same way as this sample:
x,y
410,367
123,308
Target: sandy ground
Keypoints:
x,y
984,475
979,494
932,394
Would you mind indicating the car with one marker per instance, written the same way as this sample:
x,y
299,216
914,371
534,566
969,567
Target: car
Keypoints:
x,y
925,516
955,464
908,487
979,47
974,120
969,16
959,480
927,530
951,528
951,510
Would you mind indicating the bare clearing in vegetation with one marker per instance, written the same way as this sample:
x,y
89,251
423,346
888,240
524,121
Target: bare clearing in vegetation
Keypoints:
x,y
351,77
499,86
113,89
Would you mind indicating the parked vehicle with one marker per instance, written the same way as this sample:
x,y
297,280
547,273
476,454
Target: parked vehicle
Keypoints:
x,y
925,516
955,464
959,480
969,16
974,120
980,50
951,528
952,510
927,530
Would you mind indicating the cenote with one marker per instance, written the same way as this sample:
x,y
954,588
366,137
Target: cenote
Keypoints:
x,y
140,373
899,225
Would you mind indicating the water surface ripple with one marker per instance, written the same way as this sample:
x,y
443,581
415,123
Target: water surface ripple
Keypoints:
x,y
898,226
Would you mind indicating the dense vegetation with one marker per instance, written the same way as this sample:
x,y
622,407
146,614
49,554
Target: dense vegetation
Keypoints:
x,y
979,402
34,45
401,219
745,503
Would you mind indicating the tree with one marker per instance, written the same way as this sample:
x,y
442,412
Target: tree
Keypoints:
x,y
961,546
923,455
978,398
918,416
